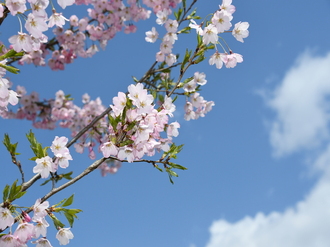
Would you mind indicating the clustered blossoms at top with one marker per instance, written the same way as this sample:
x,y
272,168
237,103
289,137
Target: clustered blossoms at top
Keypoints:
x,y
196,106
220,23
28,229
105,19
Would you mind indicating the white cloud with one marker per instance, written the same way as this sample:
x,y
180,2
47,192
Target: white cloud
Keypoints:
x,y
302,118
304,225
300,103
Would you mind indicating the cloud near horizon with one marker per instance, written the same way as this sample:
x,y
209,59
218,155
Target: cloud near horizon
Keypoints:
x,y
301,104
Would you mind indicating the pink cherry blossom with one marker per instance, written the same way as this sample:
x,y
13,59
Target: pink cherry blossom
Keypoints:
x,y
6,218
210,34
16,6
39,210
198,28
172,129
9,241
119,103
226,6
170,59
40,228
240,31
190,86
169,106
63,160
57,19
64,235
151,35
36,25
200,78
44,166
1,10
108,149
171,26
24,232
58,146
65,3
162,17
126,152
221,19
218,59
42,242
21,41
38,7
233,59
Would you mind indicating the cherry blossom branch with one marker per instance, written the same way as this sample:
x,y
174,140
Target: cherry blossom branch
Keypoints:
x,y
88,170
90,125
183,70
186,11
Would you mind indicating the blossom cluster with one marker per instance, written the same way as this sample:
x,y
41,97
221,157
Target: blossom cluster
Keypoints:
x,y
220,23
46,165
26,230
105,19
140,127
196,106
139,133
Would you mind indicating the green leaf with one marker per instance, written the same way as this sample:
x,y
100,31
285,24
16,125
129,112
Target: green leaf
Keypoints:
x,y
135,79
69,218
35,146
161,98
67,175
172,173
5,193
176,166
15,192
178,14
10,147
12,190
169,176
158,168
58,204
10,68
199,59
184,4
68,201
57,222
20,194
185,30
186,58
46,182
11,53
70,215
44,151
192,15
199,40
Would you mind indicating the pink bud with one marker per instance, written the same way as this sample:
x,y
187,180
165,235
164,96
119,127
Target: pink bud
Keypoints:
x,y
27,218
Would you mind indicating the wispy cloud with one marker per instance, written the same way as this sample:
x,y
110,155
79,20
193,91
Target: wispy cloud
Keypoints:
x,y
301,106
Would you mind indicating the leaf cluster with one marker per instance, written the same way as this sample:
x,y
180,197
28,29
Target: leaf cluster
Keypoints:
x,y
70,214
11,193
36,147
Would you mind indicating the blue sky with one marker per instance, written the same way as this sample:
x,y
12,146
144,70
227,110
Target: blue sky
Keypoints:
x,y
258,163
